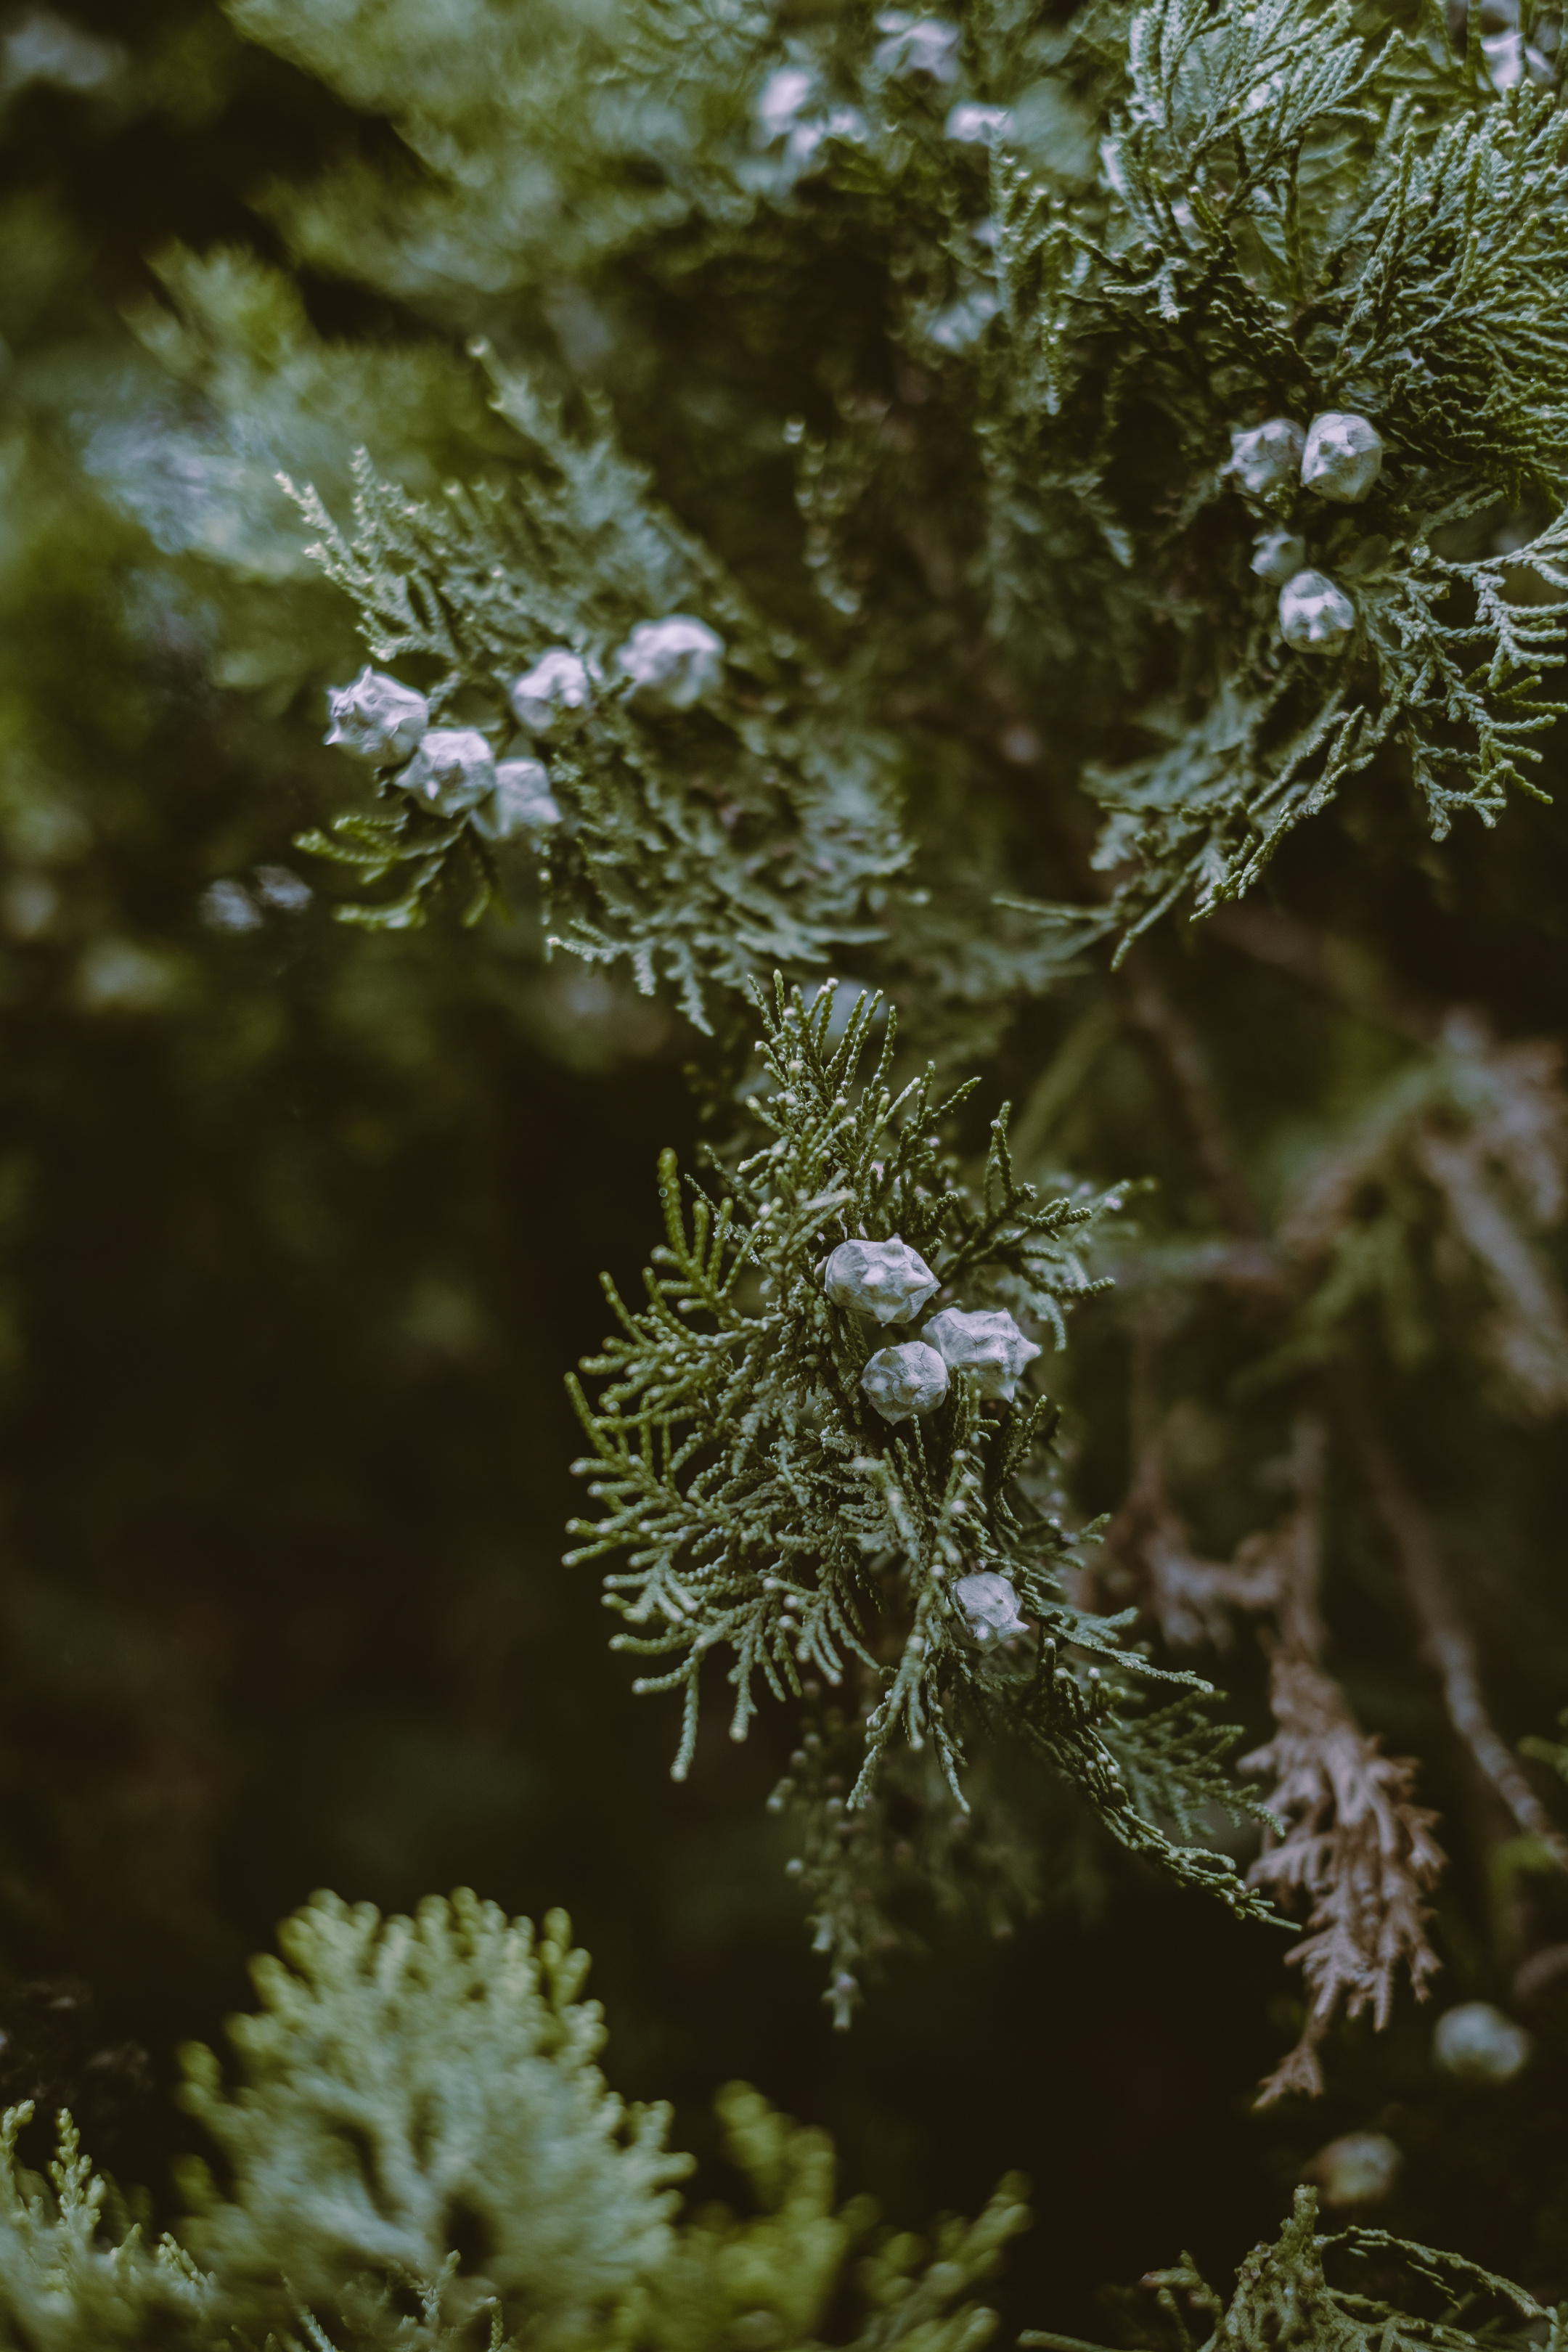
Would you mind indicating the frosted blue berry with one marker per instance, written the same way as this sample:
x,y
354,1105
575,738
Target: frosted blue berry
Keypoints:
x,y
1315,617
283,888
453,770
1358,2169
376,719
1508,58
988,1346
559,681
1343,457
887,1280
905,1382
1278,556
1480,2044
228,906
990,1606
970,124
521,802
677,660
916,48
781,103
1266,457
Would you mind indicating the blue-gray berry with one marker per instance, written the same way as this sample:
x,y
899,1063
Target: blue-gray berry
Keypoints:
x,y
520,802
988,1346
1343,457
376,719
1315,617
1278,556
453,770
559,681
677,660
1480,2044
905,1382
887,1280
1268,457
916,48
990,1604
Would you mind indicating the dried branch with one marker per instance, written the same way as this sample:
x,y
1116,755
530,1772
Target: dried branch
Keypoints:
x,y
1190,1598
1273,1571
1358,1851
1529,1332
1462,1158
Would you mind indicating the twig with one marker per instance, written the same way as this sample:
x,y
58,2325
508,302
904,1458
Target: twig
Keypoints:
x,y
1447,1647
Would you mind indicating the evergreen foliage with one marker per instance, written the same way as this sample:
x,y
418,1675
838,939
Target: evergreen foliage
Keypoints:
x,y
1071,448
772,1507
418,2105
421,2149
74,2272
1298,216
420,2153
1301,217
1394,2295
703,842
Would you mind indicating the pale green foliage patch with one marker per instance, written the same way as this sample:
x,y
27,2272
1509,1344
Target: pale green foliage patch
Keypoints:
x,y
73,2273
270,393
548,136
232,387
773,2276
419,2109
403,2068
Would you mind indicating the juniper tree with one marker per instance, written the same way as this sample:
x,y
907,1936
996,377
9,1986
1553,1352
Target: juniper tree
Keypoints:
x,y
1200,450
947,498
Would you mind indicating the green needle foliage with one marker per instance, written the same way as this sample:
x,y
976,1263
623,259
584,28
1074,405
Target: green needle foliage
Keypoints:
x,y
420,2155
1301,211
702,843
924,370
1300,214
420,2104
73,2270
1285,2296
770,1510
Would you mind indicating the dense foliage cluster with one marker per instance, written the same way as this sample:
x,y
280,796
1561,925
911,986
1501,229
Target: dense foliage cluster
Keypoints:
x,y
1301,220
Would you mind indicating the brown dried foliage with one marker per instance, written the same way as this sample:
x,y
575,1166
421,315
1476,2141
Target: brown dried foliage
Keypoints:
x,y
1439,1187
1358,1851
1190,1598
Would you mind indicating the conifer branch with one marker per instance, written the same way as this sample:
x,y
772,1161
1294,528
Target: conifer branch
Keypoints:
x,y
774,1508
